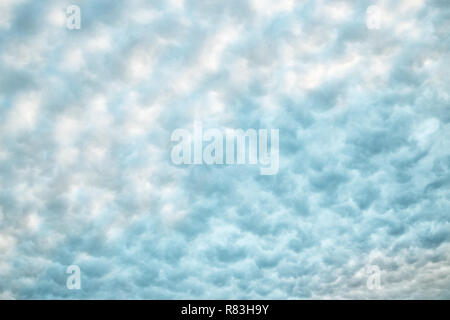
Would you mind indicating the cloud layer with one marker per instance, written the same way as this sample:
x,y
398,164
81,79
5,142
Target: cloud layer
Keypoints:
x,y
86,178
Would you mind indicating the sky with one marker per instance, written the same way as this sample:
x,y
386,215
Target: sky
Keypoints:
x,y
361,103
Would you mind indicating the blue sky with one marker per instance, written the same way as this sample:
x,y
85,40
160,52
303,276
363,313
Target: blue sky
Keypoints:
x,y
86,178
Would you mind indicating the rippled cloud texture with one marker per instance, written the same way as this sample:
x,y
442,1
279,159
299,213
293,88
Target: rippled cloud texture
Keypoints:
x,y
86,177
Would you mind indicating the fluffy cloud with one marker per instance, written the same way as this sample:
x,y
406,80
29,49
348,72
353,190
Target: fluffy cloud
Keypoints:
x,y
86,178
